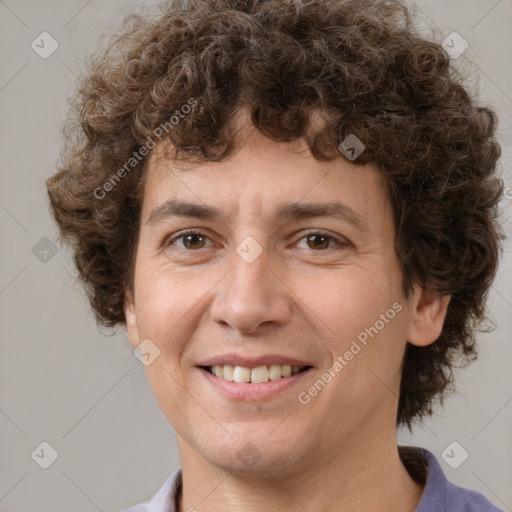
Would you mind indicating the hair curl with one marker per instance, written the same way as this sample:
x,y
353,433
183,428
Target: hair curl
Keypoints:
x,y
362,67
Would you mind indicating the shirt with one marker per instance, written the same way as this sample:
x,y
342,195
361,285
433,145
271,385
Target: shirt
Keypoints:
x,y
439,495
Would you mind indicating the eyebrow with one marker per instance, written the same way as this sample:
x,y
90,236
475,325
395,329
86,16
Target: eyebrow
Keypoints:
x,y
295,210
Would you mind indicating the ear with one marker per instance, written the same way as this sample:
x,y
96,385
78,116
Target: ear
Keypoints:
x,y
131,317
427,316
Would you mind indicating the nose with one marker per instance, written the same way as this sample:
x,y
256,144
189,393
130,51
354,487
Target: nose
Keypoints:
x,y
252,297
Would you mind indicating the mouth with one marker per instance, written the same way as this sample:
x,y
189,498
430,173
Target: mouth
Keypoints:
x,y
255,375
243,378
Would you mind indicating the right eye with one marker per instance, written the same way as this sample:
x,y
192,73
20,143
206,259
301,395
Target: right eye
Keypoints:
x,y
192,240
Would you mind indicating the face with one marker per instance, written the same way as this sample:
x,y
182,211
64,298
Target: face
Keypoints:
x,y
262,273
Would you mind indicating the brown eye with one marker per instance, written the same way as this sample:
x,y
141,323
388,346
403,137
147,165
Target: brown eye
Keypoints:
x,y
318,241
190,241
193,241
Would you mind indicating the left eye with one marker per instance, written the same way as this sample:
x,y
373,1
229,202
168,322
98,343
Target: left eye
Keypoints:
x,y
319,241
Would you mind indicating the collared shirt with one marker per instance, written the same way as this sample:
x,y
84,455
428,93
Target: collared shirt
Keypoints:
x,y
439,495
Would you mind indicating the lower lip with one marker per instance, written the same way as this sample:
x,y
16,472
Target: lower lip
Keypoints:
x,y
243,391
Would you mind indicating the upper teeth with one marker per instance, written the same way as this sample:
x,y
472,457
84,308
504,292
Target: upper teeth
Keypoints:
x,y
256,375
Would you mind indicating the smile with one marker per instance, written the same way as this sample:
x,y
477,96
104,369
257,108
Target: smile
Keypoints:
x,y
256,375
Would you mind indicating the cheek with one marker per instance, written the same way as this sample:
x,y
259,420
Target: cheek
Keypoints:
x,y
170,305
167,308
170,392
163,298
363,315
349,301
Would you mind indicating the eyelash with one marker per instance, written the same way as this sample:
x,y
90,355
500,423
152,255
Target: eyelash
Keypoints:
x,y
341,243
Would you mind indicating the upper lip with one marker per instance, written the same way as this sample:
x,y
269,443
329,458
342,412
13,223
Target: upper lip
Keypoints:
x,y
252,362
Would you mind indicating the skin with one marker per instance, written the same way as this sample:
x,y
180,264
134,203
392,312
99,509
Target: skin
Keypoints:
x,y
301,297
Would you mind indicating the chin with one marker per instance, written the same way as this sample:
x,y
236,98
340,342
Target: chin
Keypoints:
x,y
256,450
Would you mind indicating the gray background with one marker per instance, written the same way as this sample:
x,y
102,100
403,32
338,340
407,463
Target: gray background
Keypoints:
x,y
81,389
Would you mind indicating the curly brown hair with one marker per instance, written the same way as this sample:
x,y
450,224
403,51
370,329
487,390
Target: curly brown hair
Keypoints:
x,y
362,67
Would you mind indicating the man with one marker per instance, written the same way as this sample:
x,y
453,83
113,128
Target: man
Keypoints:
x,y
292,208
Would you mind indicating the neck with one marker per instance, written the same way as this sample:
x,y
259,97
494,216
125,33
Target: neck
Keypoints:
x,y
370,480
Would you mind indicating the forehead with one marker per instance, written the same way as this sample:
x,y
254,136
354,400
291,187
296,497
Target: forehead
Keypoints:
x,y
260,175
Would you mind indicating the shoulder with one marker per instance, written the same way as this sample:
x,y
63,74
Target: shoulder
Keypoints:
x,y
440,495
470,501
164,500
